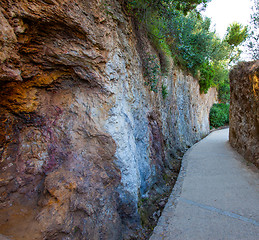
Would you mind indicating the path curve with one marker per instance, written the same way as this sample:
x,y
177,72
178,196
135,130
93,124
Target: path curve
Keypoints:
x,y
216,196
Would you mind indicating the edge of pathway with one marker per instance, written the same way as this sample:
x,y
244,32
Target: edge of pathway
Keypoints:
x,y
173,200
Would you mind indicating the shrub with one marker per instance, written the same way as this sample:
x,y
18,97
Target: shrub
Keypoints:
x,y
207,74
191,40
224,91
219,115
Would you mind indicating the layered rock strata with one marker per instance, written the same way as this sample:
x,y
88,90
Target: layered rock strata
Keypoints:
x,y
87,150
244,110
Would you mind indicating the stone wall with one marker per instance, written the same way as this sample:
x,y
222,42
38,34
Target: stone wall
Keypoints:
x,y
85,146
244,110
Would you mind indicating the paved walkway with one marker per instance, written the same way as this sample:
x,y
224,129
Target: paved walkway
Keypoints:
x,y
216,196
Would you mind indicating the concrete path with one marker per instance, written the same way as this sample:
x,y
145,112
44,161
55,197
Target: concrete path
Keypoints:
x,y
216,195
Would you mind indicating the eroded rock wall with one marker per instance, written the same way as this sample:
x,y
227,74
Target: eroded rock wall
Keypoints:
x,y
244,110
86,148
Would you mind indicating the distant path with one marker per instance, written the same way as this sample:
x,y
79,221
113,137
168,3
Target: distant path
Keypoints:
x,y
216,196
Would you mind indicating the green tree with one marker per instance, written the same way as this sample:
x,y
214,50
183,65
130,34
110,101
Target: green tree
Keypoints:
x,y
235,36
207,74
221,80
224,91
161,5
177,29
189,39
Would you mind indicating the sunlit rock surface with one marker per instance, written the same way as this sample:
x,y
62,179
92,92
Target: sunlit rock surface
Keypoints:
x,y
86,148
244,110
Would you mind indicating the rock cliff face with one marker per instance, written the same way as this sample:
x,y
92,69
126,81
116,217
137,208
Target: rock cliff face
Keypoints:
x,y
244,110
87,150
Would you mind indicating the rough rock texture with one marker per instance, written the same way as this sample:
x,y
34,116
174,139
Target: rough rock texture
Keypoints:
x,y
87,150
244,110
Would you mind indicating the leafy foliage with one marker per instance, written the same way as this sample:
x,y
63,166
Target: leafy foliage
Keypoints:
x,y
221,80
161,5
177,29
199,50
219,115
207,73
190,39
236,35
224,91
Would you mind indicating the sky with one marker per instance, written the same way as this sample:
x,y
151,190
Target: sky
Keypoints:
x,y
225,12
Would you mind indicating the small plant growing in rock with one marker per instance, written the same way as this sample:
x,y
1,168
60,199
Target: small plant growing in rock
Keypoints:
x,y
152,72
164,91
